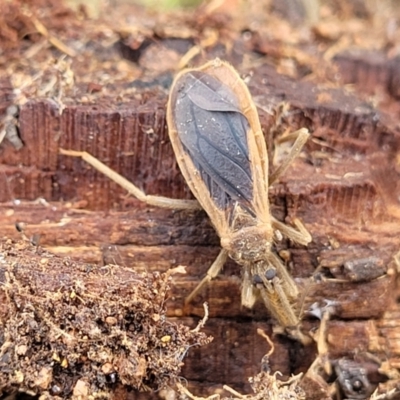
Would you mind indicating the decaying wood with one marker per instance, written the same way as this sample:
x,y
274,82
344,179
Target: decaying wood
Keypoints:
x,y
345,187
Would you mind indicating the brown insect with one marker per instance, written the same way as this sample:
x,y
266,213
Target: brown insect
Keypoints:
x,y
220,148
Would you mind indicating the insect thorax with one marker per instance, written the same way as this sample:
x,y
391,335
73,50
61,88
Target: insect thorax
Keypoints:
x,y
249,244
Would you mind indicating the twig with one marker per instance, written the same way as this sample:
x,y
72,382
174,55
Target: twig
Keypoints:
x,y
53,40
266,337
233,391
186,392
201,324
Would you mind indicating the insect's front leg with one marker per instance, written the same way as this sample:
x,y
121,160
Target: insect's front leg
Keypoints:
x,y
289,285
249,290
157,201
279,293
277,289
277,302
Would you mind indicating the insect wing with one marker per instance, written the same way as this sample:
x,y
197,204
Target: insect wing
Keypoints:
x,y
214,138
217,138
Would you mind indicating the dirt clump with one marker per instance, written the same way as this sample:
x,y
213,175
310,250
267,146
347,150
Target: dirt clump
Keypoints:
x,y
69,329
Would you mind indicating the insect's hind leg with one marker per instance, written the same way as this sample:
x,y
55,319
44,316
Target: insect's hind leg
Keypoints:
x,y
302,136
212,272
157,201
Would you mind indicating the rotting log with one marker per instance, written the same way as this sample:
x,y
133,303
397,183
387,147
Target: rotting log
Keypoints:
x,y
344,188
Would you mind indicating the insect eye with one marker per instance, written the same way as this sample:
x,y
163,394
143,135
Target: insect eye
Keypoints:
x,y
257,279
270,274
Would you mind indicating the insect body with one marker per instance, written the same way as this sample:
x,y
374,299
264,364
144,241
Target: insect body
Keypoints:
x,y
221,151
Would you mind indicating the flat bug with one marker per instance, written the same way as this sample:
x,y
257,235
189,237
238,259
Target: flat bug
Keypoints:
x,y
220,148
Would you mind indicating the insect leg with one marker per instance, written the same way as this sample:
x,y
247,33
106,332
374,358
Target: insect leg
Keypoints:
x,y
158,201
277,289
321,363
249,291
302,137
300,236
287,282
277,303
212,272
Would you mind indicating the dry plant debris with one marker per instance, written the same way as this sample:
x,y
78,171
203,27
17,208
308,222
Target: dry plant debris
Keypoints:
x,y
72,330
265,385
52,51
